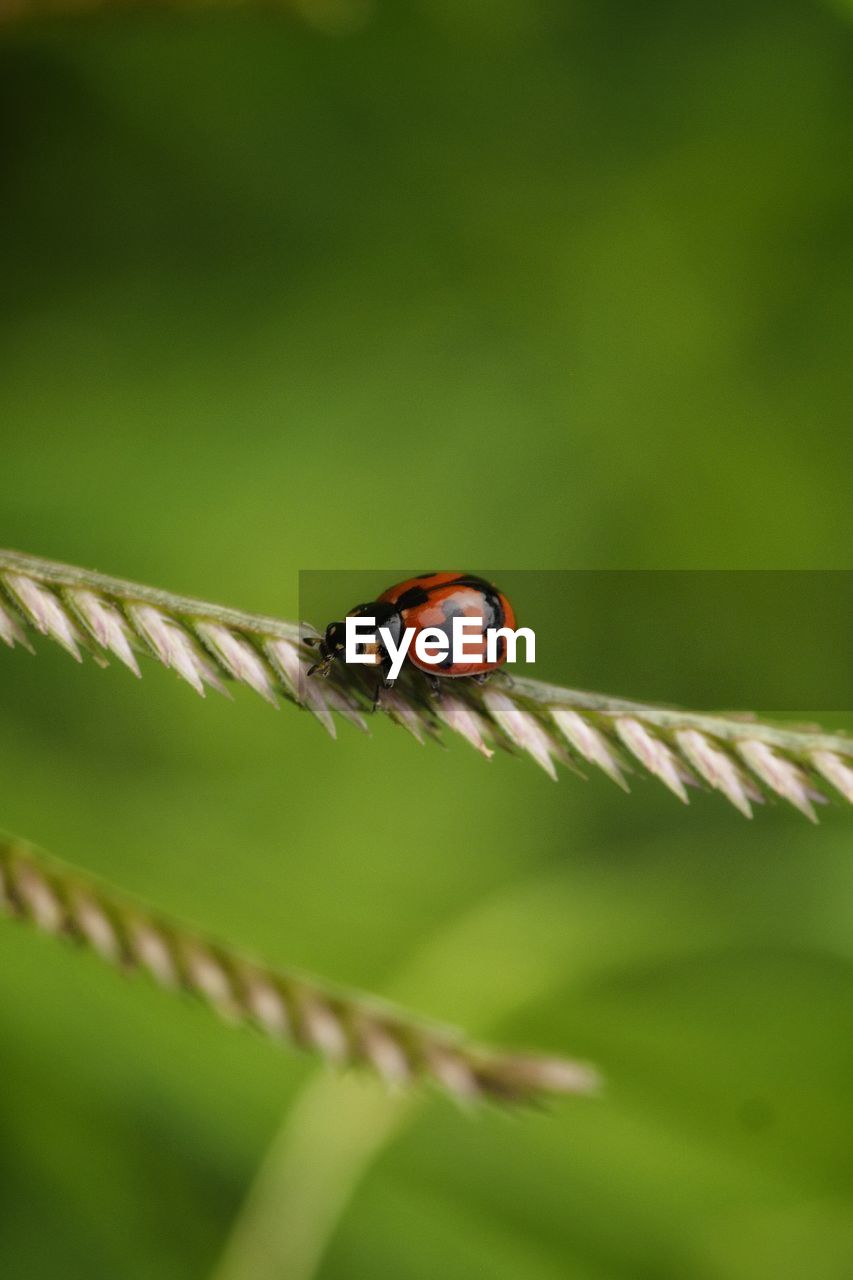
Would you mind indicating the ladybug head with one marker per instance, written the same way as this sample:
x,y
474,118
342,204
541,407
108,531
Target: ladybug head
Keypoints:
x,y
333,642
331,646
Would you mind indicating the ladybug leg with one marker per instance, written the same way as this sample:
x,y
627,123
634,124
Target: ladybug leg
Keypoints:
x,y
434,684
481,678
381,684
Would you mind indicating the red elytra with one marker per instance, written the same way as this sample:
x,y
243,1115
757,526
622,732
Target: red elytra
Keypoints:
x,y
435,599
430,600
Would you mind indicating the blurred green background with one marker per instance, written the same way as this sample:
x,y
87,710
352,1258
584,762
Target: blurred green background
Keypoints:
x,y
521,284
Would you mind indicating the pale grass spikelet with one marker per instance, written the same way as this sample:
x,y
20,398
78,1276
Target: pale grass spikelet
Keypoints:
x,y
267,1006
403,713
45,611
339,702
153,952
653,754
554,1075
780,775
96,927
106,626
41,899
345,1028
831,767
290,661
293,670
589,742
11,631
717,768
454,1074
173,646
238,657
208,977
384,1054
208,644
523,729
465,721
322,1030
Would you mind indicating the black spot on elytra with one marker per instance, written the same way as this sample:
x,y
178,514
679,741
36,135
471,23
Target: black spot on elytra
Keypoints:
x,y
412,598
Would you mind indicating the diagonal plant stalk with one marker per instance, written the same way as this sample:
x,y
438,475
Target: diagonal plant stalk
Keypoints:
x,y
743,758
345,1027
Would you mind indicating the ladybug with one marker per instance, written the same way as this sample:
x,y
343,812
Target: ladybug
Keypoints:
x,y
430,600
